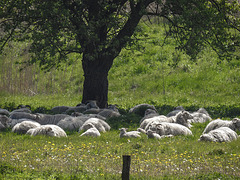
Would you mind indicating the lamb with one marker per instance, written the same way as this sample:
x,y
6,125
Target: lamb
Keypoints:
x,y
234,124
222,134
153,134
44,119
141,108
101,125
48,130
24,126
130,134
174,129
91,131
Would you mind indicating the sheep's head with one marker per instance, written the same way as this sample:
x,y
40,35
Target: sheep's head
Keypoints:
x,y
160,129
150,111
236,123
183,118
206,137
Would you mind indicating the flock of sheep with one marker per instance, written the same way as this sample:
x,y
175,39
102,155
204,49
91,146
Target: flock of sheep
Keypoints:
x,y
89,120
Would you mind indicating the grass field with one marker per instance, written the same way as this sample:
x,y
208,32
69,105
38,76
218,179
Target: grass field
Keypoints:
x,y
149,73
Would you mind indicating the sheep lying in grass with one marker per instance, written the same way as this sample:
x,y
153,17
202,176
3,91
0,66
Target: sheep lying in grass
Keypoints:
x,y
71,123
175,111
200,116
48,130
153,135
4,122
91,131
130,134
234,124
24,126
174,129
101,125
4,112
108,113
222,134
183,118
23,115
141,108
44,119
149,113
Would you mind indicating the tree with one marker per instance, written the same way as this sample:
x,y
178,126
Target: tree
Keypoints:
x,y
100,29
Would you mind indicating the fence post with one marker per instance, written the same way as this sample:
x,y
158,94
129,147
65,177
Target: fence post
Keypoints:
x,y
126,167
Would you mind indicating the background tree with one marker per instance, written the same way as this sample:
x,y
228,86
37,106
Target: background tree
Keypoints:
x,y
99,29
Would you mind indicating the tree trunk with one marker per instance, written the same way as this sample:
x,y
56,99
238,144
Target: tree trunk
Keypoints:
x,y
95,85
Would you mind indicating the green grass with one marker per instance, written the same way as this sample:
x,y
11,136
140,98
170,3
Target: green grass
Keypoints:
x,y
180,157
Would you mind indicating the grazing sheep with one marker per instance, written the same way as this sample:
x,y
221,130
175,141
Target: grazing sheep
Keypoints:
x,y
141,108
24,126
91,131
44,119
130,134
153,134
175,111
174,129
71,123
101,125
4,121
4,112
22,115
222,134
48,130
234,124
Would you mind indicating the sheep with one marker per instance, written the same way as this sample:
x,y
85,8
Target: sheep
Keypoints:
x,y
59,109
234,124
222,134
130,134
108,113
141,108
91,131
24,126
175,111
4,112
4,121
21,115
141,130
149,113
153,134
174,129
71,123
183,118
200,116
44,119
48,130
101,125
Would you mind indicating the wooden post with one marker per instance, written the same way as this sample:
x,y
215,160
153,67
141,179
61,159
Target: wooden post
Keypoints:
x,y
126,167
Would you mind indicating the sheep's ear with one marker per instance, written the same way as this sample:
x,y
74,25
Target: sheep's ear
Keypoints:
x,y
49,129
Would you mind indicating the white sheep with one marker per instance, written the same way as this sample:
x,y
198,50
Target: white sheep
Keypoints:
x,y
100,124
200,116
153,134
141,130
24,126
149,113
234,124
91,131
48,130
175,111
149,121
174,129
222,134
130,134
44,119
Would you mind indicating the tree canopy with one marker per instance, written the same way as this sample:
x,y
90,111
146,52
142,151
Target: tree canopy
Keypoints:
x,y
99,29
